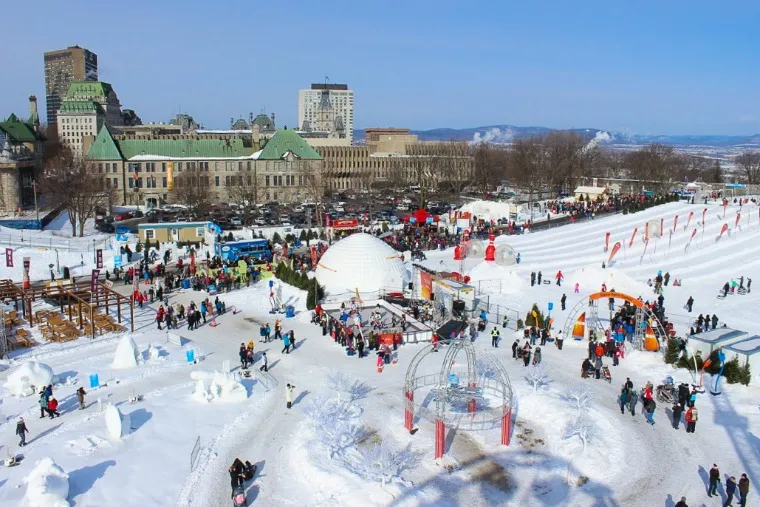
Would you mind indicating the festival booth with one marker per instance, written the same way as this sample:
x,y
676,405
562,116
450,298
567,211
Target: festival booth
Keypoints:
x,y
457,290
706,342
420,217
748,351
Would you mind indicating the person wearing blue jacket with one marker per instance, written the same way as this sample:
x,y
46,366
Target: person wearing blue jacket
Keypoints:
x,y
203,311
286,343
730,490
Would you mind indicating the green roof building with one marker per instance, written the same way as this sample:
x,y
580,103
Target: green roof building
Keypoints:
x,y
86,108
149,169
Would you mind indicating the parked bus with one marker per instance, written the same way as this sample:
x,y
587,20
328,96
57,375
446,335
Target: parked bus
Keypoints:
x,y
233,251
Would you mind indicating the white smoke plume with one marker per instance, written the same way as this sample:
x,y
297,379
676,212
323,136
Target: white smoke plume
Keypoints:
x,y
494,135
600,137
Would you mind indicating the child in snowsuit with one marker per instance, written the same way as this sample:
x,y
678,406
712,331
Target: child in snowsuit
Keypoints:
x,y
21,431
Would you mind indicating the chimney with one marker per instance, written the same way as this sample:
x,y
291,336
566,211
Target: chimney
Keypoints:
x,y
255,135
33,112
273,123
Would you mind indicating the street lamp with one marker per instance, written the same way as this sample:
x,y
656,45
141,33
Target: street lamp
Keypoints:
x,y
52,276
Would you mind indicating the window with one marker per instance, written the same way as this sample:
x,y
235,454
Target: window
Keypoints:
x,y
163,182
100,167
268,197
192,165
248,165
147,182
227,181
150,234
205,166
266,183
108,183
163,168
240,166
179,167
200,231
216,180
116,183
131,182
275,196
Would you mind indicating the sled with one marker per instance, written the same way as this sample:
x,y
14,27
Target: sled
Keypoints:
x,y
546,282
12,461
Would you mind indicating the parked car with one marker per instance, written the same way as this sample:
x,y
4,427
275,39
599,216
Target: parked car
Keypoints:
x,y
123,216
236,221
137,214
105,227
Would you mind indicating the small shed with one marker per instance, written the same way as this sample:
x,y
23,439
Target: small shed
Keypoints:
x,y
747,350
708,341
190,232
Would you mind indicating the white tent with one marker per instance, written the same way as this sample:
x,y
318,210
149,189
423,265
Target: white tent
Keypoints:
x,y
361,262
747,350
708,341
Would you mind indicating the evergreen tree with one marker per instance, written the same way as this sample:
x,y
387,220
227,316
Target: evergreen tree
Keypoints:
x,y
672,351
276,238
537,321
745,375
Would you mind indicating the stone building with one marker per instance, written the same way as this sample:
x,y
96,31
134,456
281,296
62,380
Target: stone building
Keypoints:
x,y
21,152
141,169
87,107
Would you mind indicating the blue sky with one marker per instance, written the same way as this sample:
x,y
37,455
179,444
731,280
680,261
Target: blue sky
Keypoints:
x,y
640,67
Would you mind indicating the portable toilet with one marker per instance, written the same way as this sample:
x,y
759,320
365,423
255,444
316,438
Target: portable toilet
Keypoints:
x,y
747,350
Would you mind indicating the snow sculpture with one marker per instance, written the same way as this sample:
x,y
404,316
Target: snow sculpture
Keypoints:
x,y
537,377
118,425
29,378
218,386
47,485
127,355
505,255
655,229
154,352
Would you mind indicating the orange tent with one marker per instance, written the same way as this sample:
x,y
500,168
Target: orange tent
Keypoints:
x,y
650,340
579,328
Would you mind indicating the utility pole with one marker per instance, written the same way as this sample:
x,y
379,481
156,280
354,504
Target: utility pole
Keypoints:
x,y
36,208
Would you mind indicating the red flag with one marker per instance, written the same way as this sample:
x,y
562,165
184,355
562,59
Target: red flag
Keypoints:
x,y
738,217
688,220
675,223
615,249
9,257
646,232
633,236
314,257
606,241
722,230
693,233
704,212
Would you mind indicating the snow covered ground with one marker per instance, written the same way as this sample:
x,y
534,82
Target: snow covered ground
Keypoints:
x,y
627,462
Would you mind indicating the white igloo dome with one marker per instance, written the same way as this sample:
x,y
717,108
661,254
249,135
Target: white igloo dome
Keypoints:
x,y
361,262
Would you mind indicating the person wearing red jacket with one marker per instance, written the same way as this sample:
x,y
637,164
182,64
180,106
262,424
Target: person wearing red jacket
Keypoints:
x,y
691,419
160,316
559,277
53,408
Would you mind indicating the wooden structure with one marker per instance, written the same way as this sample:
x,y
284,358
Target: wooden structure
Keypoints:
x,y
77,300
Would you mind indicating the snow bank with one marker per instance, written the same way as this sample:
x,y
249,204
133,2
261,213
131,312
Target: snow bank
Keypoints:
x,y
127,355
592,278
29,378
218,386
507,280
118,425
47,485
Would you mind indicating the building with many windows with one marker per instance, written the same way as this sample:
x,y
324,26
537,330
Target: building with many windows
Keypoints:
x,y
327,108
21,152
62,67
144,169
86,108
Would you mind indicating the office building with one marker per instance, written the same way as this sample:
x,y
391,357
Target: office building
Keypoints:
x,y
327,108
87,106
61,68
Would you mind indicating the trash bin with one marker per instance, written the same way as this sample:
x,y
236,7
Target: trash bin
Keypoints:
x,y
290,311
186,283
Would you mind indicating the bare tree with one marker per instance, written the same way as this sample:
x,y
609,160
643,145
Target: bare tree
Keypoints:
x,y
74,184
456,165
749,163
192,189
655,165
422,163
486,166
315,175
528,170
244,191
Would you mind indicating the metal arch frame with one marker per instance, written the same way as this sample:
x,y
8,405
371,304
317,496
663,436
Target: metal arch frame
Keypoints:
x,y
498,386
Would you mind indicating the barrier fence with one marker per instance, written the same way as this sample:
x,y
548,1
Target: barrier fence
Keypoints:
x,y
194,454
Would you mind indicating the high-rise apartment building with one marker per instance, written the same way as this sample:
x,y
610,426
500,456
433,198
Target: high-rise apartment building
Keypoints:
x,y
61,68
327,108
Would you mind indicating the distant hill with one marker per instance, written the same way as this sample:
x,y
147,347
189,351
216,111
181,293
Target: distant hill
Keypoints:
x,y
501,134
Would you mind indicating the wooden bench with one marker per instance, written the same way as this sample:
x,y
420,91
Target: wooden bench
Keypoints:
x,y
23,338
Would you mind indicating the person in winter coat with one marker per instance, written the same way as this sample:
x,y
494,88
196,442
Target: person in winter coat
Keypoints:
x,y
539,278
743,490
494,337
53,408
250,345
559,340
689,304
43,404
265,366
243,353
204,310
624,399
563,301
714,321
598,367
714,480
677,411
21,431
691,419
591,349
526,354
160,316
504,322
268,333
514,349
80,397
537,356
286,343
682,502
289,395
633,401
649,406
292,339
532,278
730,490
559,278
237,473
577,287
